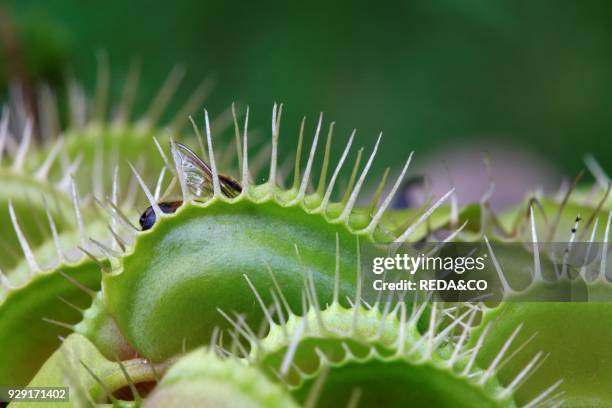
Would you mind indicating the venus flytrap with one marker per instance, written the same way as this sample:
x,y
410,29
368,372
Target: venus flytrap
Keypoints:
x,y
269,273
369,355
182,266
203,378
94,379
39,296
95,141
573,334
28,191
101,134
47,292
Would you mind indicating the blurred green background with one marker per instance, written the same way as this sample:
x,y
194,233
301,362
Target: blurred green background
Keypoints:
x,y
428,73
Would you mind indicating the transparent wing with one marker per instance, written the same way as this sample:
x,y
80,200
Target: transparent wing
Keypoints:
x,y
197,174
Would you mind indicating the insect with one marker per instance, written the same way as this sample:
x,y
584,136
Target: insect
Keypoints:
x,y
198,179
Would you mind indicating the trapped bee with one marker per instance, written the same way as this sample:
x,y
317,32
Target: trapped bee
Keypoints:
x,y
198,179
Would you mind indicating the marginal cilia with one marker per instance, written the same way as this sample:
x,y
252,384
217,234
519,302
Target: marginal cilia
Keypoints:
x,y
267,280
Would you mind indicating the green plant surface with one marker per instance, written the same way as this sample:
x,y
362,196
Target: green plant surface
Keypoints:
x,y
92,378
574,335
29,191
269,276
369,357
182,268
43,296
39,293
202,379
26,340
192,262
555,218
26,196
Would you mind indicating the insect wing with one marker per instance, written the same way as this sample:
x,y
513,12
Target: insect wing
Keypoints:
x,y
197,174
230,187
